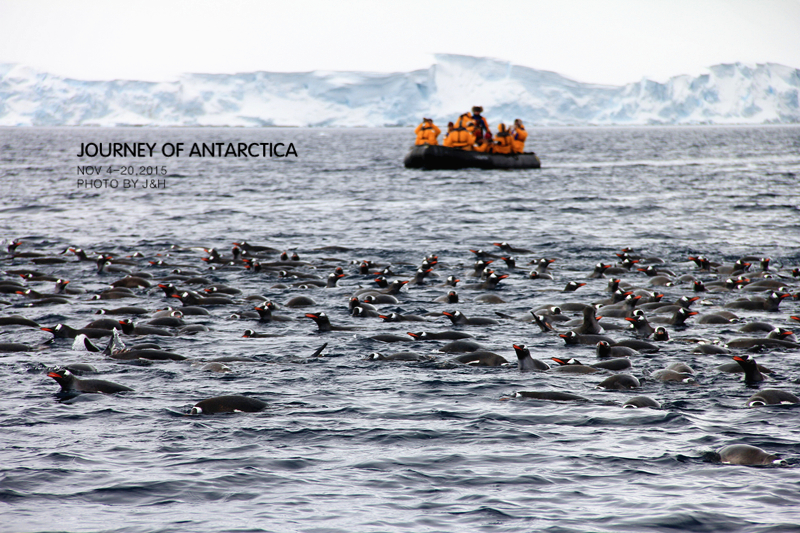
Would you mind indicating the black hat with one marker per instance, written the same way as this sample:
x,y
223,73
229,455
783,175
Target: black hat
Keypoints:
x,y
477,109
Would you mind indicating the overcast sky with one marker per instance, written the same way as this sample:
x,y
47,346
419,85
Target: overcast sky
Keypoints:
x,y
599,41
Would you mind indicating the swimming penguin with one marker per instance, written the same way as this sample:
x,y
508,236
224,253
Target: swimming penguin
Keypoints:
x,y
399,356
557,396
572,366
62,331
482,358
770,303
439,335
641,401
450,298
459,319
572,338
590,326
605,351
744,454
510,249
526,362
748,364
461,346
771,397
620,382
300,301
324,323
227,404
70,383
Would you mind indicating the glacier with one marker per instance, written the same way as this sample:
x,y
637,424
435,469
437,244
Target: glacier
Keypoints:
x,y
728,94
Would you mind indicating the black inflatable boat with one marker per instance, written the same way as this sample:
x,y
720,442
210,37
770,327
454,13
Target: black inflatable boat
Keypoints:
x,y
435,157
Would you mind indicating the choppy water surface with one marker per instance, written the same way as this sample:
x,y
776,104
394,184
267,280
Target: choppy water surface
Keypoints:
x,y
348,444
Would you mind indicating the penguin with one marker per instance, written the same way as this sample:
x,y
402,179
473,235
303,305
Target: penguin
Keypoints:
x,y
250,334
504,246
557,396
399,356
572,366
751,372
227,404
300,301
461,346
70,383
62,331
527,363
770,303
129,328
641,326
744,454
605,351
590,326
641,401
450,298
482,358
324,323
459,319
440,335
771,397
397,317
620,382
572,338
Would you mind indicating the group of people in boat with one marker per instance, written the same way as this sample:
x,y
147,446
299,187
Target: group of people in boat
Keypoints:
x,y
471,132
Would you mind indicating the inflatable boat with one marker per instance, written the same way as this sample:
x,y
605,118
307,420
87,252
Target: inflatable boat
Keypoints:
x,y
435,157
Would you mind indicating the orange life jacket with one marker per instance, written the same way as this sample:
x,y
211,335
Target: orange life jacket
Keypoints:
x,y
503,141
520,135
460,138
427,133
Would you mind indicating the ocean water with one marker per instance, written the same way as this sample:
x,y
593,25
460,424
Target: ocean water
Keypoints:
x,y
348,444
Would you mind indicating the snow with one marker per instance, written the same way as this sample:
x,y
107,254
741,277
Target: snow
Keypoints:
x,y
728,94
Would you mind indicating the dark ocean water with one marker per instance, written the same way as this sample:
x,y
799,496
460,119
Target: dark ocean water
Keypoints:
x,y
348,444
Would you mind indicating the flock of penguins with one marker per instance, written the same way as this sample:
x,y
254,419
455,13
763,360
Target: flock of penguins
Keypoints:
x,y
633,319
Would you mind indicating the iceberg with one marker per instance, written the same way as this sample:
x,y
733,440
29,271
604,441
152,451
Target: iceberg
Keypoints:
x,y
728,94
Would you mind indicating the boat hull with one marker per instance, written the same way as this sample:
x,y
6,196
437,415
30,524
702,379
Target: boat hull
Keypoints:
x,y
435,157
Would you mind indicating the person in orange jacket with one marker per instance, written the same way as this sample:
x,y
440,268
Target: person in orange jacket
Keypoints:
x,y
503,140
483,145
519,134
479,124
427,132
460,137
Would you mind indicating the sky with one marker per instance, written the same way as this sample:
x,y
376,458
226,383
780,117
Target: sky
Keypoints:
x,y
610,42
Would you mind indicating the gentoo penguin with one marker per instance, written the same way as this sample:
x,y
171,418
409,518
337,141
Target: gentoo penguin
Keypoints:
x,y
510,249
439,335
70,383
641,401
770,303
557,396
399,356
620,382
459,319
397,317
227,404
771,397
461,346
590,326
526,362
482,358
324,323
572,366
62,331
450,298
751,373
300,301
744,454
605,351
572,338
